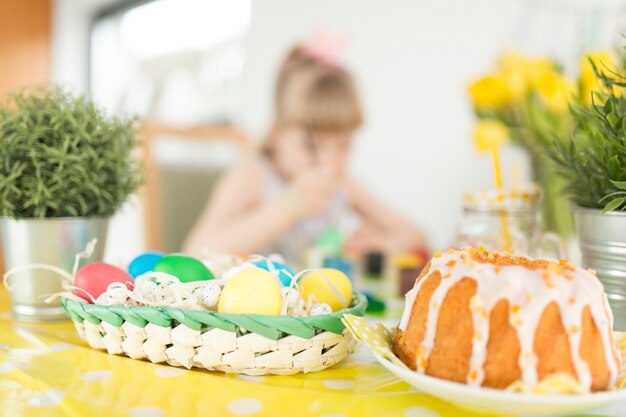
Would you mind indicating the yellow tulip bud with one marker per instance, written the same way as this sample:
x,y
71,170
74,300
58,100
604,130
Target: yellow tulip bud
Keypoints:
x,y
489,92
490,134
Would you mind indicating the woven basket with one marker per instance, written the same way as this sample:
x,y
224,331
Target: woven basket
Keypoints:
x,y
240,343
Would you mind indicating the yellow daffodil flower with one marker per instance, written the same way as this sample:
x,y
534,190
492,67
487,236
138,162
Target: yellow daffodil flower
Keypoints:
x,y
489,92
555,90
489,135
514,69
514,77
521,73
589,82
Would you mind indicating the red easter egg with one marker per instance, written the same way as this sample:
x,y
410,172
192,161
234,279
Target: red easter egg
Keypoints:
x,y
95,277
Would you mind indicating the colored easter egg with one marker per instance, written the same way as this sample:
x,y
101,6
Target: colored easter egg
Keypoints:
x,y
327,285
209,294
285,273
144,263
95,277
183,267
320,310
251,291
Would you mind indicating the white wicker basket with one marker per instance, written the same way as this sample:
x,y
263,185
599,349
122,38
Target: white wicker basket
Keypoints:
x,y
247,344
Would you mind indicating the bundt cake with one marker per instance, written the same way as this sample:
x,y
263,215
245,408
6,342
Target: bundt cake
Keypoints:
x,y
491,319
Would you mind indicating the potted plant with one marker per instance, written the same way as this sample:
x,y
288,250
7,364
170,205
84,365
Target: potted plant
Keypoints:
x,y
593,165
65,168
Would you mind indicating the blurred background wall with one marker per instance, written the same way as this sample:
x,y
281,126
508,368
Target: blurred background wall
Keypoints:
x,y
26,47
413,61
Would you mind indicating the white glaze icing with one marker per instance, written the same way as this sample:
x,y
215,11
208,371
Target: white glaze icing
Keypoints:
x,y
528,292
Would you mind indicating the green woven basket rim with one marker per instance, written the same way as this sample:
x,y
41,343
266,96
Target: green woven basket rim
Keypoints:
x,y
272,327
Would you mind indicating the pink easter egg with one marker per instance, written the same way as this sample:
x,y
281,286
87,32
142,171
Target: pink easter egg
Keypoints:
x,y
95,277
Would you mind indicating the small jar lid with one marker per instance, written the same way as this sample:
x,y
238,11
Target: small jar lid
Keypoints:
x,y
521,199
408,260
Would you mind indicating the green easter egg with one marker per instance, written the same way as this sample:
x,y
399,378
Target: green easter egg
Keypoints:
x,y
183,267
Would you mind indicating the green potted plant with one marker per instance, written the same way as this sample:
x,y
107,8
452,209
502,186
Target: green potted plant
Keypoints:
x,y
65,168
593,165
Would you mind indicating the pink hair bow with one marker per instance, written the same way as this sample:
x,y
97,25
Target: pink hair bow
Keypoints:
x,y
324,47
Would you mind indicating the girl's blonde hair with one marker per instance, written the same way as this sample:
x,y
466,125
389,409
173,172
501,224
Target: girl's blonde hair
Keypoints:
x,y
316,95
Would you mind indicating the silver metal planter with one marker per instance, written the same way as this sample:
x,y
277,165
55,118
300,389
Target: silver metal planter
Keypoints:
x,y
603,244
47,241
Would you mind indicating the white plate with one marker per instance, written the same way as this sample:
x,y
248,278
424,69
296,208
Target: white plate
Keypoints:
x,y
493,400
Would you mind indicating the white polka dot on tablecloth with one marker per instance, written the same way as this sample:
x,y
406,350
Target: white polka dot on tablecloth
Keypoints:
x,y
96,376
61,346
49,398
251,378
315,405
362,356
338,383
420,412
145,411
244,407
169,372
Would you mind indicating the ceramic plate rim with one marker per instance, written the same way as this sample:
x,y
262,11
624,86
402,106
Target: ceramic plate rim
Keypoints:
x,y
437,384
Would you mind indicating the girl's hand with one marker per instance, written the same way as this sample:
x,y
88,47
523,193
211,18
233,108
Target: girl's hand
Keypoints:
x,y
311,193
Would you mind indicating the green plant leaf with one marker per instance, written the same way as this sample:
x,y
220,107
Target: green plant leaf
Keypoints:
x,y
592,159
614,204
606,197
612,195
619,184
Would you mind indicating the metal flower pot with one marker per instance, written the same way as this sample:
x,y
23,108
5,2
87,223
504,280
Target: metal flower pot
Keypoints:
x,y
603,245
47,241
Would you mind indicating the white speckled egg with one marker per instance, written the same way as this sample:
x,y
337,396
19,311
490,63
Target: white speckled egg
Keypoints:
x,y
104,299
290,295
320,309
147,288
117,292
209,294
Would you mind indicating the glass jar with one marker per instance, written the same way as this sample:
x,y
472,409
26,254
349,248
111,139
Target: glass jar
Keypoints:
x,y
507,220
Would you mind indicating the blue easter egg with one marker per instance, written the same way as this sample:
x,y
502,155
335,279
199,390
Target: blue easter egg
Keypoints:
x,y
144,263
285,273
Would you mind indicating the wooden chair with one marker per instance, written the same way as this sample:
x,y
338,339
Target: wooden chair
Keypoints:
x,y
153,201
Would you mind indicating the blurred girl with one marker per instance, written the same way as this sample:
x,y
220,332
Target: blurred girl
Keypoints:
x,y
283,199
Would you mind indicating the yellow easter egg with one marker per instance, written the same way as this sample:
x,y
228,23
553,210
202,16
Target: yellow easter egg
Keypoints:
x,y
251,291
328,285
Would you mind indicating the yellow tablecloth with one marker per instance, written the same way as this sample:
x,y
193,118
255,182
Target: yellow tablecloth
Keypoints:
x,y
46,370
